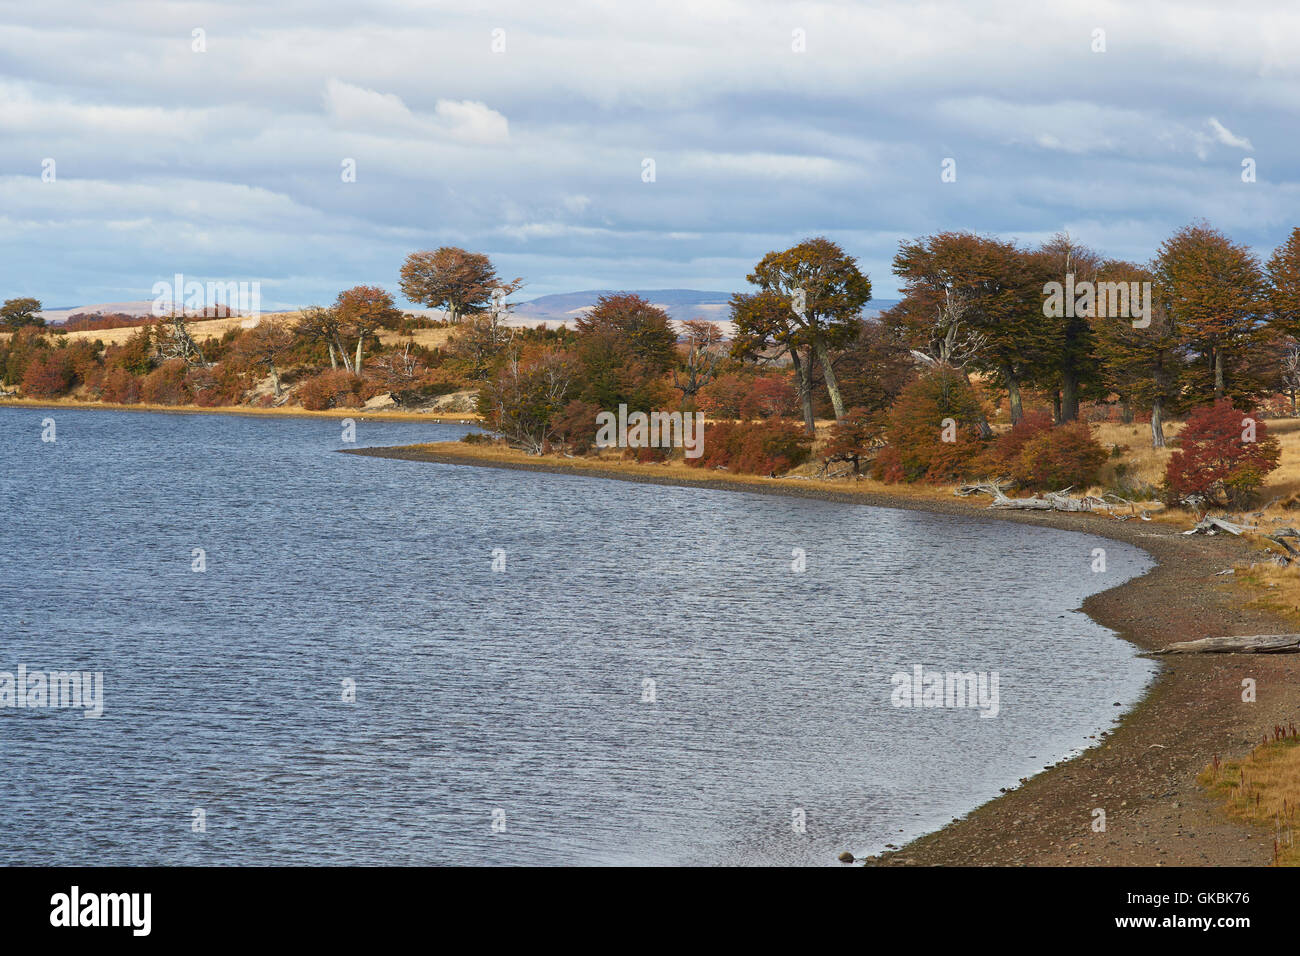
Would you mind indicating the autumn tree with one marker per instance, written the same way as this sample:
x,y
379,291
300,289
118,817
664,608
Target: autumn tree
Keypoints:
x,y
16,313
855,437
972,302
479,342
777,324
700,358
1223,456
1070,352
1215,292
449,278
525,400
263,345
322,325
823,292
625,346
1143,364
364,310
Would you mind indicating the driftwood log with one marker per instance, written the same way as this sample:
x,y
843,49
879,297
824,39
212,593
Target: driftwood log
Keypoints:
x,y
1208,525
1052,501
1252,644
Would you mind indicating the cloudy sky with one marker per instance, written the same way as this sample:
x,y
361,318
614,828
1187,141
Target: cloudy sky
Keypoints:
x,y
524,129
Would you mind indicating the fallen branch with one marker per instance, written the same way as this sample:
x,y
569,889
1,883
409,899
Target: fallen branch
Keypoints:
x,y
1208,525
1252,644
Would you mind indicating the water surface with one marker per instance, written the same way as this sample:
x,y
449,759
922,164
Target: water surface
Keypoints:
x,y
518,695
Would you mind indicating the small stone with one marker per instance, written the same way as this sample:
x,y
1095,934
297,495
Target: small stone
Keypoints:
x,y
845,857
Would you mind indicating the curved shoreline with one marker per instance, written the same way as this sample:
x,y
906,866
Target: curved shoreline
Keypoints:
x,y
1141,773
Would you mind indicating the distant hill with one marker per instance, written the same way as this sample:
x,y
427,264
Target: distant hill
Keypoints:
x,y
562,307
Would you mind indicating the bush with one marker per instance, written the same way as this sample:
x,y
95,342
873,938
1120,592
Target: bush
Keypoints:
x,y
765,448
333,388
1223,457
915,432
120,387
48,374
1005,453
1064,457
854,437
165,385
574,427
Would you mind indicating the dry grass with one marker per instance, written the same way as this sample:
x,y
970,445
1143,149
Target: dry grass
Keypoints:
x,y
205,329
1263,789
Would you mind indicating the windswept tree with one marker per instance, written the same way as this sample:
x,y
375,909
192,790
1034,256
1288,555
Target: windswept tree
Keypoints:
x,y
1071,355
766,334
1215,292
462,283
1284,285
264,344
970,302
1143,364
16,313
363,310
824,292
319,324
700,358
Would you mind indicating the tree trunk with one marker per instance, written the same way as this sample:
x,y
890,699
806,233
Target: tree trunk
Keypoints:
x,y
1013,395
361,338
803,378
275,378
832,387
334,359
1218,374
985,430
1126,411
347,364
1157,425
1056,407
1069,396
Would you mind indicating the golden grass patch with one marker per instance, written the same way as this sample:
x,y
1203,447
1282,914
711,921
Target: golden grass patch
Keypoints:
x,y
1263,789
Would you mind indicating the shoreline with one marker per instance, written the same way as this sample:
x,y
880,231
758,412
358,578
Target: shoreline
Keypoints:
x,y
437,418
1142,772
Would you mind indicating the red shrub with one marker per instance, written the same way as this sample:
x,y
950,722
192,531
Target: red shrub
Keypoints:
x,y
1057,458
575,426
1223,456
1006,449
165,385
333,388
48,374
119,386
766,448
771,396
919,446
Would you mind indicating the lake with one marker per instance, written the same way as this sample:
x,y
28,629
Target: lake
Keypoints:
x,y
309,658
